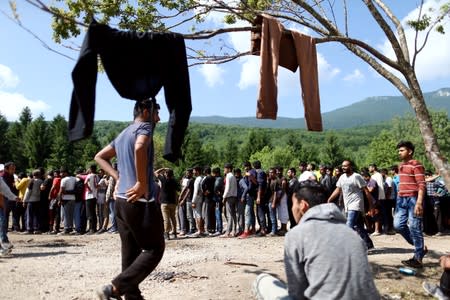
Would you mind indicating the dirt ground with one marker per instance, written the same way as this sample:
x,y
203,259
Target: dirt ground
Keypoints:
x,y
73,267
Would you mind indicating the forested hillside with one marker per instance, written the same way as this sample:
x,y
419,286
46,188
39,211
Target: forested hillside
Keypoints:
x,y
373,110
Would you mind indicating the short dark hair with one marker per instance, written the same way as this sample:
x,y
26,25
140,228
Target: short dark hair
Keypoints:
x,y
312,192
9,164
207,170
293,170
149,104
406,144
257,164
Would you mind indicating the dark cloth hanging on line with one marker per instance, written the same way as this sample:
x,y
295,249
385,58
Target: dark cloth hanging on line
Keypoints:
x,y
138,64
291,51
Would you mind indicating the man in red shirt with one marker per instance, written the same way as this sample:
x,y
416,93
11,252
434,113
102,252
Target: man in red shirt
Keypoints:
x,y
409,207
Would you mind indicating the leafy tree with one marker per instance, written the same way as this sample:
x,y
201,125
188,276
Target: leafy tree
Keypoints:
x,y
324,18
4,142
193,154
37,143
230,152
382,150
15,135
331,152
61,149
256,141
279,156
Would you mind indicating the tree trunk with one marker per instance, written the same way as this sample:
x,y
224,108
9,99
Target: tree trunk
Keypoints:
x,y
432,151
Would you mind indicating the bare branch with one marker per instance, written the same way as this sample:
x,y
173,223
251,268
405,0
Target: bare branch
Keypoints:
x,y
39,4
387,31
397,23
218,59
416,36
346,17
43,43
347,41
206,34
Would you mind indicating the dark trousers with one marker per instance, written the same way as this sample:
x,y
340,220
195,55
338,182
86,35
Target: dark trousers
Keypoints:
x,y
182,218
10,208
445,282
141,232
33,211
292,221
91,205
387,218
262,211
210,214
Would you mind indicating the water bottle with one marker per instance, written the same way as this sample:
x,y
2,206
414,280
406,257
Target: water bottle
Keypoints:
x,y
407,271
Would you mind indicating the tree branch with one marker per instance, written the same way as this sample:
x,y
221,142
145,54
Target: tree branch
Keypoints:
x,y
397,23
388,32
16,20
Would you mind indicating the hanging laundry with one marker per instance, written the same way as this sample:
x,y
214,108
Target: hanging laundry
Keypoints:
x,y
292,50
138,64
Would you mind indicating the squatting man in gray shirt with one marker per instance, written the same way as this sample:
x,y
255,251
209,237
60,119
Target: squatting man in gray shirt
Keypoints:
x,y
324,258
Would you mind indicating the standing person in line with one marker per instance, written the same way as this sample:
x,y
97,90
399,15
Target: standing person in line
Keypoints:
x,y
169,189
32,203
197,203
409,207
209,206
67,199
218,193
111,202
138,216
5,194
230,200
292,186
91,183
352,185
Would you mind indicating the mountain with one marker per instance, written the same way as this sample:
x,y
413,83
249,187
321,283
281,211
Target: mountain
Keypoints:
x,y
372,110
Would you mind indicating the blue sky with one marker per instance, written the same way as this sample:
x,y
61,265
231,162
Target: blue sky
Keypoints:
x,y
31,75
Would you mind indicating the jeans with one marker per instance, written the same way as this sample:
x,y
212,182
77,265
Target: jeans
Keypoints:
x,y
112,214
77,210
273,218
409,225
68,207
190,217
182,218
249,213
261,215
219,222
355,221
3,232
33,216
141,233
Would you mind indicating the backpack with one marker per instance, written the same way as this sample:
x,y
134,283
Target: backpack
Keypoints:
x,y
79,189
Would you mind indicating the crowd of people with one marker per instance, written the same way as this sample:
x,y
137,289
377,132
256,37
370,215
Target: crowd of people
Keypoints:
x,y
251,200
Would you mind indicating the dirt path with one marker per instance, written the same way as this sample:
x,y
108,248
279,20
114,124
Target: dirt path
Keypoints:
x,y
73,267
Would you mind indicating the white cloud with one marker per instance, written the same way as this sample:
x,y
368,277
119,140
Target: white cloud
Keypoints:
x,y
355,76
433,62
213,74
249,72
7,78
326,71
12,104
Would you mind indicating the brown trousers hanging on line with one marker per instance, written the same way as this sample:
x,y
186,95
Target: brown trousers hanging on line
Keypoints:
x,y
291,51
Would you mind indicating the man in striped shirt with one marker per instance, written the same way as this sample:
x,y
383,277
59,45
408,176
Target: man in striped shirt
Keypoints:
x,y
409,207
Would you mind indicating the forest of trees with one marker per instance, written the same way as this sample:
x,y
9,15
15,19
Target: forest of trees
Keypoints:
x,y
32,143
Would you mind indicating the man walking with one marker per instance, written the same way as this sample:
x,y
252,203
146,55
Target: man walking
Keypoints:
x,y
138,216
409,206
352,185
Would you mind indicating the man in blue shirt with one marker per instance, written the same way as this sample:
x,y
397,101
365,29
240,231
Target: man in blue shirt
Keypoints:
x,y
138,216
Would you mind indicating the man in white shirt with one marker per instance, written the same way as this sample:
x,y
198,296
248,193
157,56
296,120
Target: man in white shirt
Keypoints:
x,y
230,200
67,196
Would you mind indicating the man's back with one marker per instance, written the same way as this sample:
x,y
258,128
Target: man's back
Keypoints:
x,y
325,259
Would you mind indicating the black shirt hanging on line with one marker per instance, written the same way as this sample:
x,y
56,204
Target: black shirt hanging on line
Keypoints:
x,y
138,64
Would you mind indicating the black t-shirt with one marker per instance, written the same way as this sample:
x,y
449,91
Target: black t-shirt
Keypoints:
x,y
168,193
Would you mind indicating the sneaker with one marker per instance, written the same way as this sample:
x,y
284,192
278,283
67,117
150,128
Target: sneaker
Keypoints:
x,y
7,245
434,290
376,233
413,263
106,293
5,252
100,231
244,235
